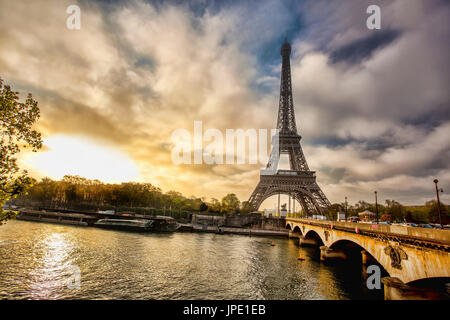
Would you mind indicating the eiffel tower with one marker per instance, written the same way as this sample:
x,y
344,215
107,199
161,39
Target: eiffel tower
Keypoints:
x,y
298,182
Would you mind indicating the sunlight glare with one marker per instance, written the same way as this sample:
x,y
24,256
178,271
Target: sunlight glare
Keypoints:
x,y
79,156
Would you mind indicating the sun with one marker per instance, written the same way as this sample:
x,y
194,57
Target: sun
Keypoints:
x,y
69,155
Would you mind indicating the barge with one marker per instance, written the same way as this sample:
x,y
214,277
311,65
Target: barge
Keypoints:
x,y
165,224
107,221
125,225
56,217
139,223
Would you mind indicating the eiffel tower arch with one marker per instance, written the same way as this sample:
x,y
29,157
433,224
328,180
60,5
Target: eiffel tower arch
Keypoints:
x,y
298,182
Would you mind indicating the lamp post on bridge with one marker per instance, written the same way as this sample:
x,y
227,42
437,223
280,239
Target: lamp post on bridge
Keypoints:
x,y
376,205
438,202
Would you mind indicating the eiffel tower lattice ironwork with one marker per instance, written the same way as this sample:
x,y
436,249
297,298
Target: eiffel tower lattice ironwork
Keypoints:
x,y
298,182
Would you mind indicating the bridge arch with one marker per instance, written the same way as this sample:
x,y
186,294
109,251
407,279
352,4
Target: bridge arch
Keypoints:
x,y
297,230
405,273
355,249
288,226
314,235
371,250
349,243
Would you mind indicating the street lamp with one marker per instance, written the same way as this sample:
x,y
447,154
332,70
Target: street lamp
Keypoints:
x,y
376,205
438,202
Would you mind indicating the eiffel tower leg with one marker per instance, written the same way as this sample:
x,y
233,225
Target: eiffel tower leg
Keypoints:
x,y
297,159
320,198
312,208
303,202
309,203
257,196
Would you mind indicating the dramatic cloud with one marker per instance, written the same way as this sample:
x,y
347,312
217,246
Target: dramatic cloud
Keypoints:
x,y
372,105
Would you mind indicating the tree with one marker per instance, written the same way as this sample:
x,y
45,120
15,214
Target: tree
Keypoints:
x,y
215,205
334,210
431,209
409,216
16,122
246,207
230,203
203,207
395,210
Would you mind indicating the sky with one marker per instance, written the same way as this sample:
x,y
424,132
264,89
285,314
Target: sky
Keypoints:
x,y
372,106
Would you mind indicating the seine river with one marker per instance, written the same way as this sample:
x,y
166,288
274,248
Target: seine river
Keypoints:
x,y
37,261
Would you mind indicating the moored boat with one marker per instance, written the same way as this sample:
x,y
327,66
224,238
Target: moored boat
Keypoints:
x,y
54,217
134,222
164,224
139,225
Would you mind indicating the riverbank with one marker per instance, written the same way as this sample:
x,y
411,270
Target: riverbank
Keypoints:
x,y
231,230
89,219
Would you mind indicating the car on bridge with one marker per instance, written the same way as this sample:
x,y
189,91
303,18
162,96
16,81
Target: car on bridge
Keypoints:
x,y
426,225
410,224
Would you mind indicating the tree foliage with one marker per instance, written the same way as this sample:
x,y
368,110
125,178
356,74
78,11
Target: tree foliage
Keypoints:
x,y
78,193
395,211
16,125
230,204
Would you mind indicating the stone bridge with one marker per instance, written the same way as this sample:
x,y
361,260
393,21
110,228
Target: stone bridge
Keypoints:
x,y
407,254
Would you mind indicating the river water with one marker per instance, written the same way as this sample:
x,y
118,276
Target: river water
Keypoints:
x,y
38,261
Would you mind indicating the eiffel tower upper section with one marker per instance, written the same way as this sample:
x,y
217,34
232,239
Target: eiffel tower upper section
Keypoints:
x,y
286,115
289,138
